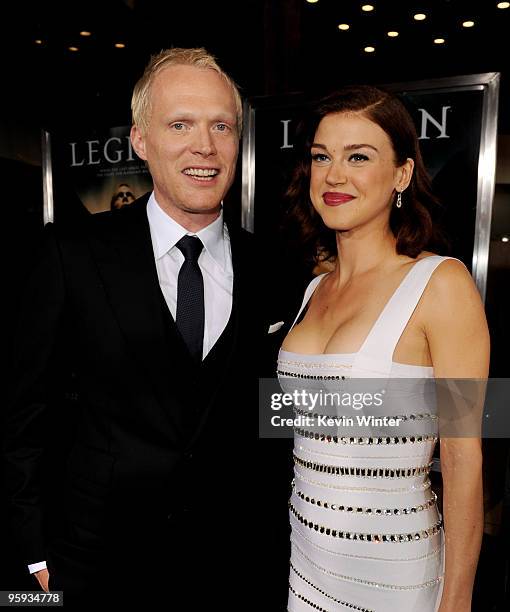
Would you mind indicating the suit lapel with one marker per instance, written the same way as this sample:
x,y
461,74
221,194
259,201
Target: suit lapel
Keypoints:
x,y
125,259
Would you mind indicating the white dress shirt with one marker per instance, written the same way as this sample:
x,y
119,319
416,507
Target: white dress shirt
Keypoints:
x,y
215,262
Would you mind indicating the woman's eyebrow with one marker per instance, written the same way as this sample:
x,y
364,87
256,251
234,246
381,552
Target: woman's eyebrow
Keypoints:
x,y
350,147
360,146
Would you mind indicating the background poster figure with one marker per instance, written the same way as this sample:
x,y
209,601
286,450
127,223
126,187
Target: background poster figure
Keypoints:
x,y
123,196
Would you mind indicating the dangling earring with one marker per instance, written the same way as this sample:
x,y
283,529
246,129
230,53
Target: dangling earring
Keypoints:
x,y
399,200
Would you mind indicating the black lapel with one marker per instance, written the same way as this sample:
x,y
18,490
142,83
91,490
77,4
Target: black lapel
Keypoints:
x,y
123,251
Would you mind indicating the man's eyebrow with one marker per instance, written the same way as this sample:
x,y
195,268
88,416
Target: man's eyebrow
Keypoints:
x,y
183,114
187,114
225,118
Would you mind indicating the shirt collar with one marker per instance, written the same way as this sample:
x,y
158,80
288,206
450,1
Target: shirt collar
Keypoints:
x,y
166,232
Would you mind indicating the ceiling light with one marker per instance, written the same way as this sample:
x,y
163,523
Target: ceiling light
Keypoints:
x,y
369,49
419,17
392,34
503,5
73,49
367,8
120,45
505,238
38,41
344,26
439,41
85,33
312,1
468,24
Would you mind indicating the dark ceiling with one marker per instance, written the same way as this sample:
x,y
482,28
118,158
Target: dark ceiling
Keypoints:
x,y
54,85
475,48
269,46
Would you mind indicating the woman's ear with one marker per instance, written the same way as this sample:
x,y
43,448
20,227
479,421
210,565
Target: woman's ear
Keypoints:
x,y
404,174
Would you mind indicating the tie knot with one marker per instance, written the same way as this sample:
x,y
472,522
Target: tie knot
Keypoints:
x,y
190,247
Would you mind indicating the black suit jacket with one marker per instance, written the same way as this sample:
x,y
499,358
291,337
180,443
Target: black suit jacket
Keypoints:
x,y
152,438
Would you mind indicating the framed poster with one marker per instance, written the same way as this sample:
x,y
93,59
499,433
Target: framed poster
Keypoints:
x,y
456,121
97,169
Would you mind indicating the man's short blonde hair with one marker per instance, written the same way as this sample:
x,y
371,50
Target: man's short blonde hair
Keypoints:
x,y
199,57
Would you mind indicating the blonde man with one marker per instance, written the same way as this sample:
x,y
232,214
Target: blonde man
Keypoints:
x,y
152,299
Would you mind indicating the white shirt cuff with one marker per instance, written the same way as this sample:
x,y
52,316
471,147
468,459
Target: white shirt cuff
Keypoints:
x,y
36,567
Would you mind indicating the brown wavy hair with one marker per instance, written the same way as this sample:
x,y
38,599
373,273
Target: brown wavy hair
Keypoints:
x,y
414,225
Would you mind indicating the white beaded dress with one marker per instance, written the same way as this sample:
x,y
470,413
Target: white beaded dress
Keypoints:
x,y
366,532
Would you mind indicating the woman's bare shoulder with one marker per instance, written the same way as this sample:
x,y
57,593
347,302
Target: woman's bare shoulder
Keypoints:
x,y
448,271
451,274
451,289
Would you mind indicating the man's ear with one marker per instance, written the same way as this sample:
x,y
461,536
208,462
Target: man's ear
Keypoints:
x,y
138,142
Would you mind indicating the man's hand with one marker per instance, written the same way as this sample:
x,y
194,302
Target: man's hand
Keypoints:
x,y
43,577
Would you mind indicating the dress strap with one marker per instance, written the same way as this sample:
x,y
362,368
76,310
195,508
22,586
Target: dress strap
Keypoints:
x,y
379,346
314,283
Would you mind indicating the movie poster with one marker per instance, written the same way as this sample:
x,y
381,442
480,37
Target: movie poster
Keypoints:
x,y
99,169
451,118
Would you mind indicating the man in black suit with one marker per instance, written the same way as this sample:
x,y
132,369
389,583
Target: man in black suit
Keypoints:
x,y
153,305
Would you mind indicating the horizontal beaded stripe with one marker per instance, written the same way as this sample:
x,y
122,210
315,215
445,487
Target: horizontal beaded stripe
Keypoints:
x,y
307,601
346,604
371,583
433,553
340,470
363,510
313,364
362,440
422,486
310,376
419,416
367,537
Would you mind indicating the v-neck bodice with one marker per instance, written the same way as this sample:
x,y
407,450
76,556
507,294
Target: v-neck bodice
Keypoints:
x,y
375,356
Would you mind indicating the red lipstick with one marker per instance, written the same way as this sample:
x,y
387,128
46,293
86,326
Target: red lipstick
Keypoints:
x,y
334,198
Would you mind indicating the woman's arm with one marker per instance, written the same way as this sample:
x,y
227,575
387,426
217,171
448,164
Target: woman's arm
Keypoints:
x,y
458,339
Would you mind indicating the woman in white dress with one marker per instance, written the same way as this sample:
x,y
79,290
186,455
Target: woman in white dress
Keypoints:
x,y
366,531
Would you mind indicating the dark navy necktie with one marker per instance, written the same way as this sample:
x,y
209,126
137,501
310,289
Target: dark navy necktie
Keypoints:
x,y
190,315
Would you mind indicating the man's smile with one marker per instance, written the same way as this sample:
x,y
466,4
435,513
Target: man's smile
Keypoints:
x,y
201,174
